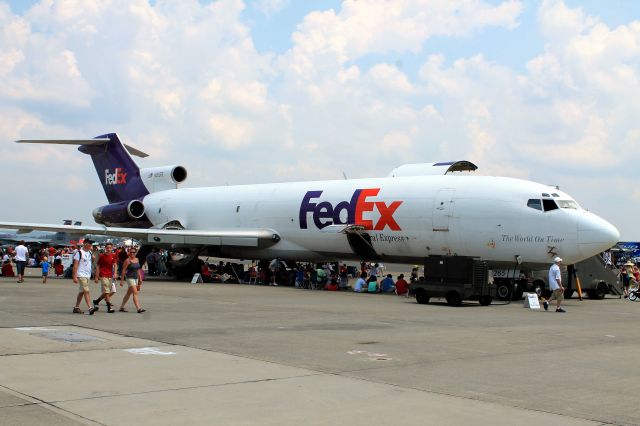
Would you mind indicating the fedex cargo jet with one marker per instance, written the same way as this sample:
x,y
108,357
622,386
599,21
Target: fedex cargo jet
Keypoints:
x,y
417,211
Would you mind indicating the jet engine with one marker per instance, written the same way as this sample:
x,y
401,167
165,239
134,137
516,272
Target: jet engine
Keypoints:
x,y
124,213
163,178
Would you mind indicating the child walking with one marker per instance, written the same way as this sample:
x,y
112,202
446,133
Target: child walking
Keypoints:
x,y
45,269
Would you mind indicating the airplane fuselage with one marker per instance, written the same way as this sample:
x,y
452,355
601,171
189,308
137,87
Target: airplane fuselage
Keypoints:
x,y
405,218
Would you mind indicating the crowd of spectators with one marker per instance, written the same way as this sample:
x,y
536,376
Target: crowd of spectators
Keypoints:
x,y
370,277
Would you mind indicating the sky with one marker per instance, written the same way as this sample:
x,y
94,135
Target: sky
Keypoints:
x,y
243,92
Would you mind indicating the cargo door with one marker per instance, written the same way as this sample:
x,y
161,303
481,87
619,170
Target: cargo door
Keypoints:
x,y
443,209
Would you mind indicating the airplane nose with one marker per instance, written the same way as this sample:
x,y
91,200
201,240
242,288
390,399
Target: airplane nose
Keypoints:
x,y
595,235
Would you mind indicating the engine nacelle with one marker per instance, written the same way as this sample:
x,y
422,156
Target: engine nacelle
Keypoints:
x,y
124,213
163,178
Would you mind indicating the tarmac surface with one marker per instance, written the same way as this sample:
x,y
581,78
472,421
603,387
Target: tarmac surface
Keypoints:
x,y
235,354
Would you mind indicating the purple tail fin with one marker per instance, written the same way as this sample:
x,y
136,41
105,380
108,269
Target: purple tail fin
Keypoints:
x,y
118,173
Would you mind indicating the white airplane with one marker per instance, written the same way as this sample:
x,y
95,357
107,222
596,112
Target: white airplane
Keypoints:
x,y
417,211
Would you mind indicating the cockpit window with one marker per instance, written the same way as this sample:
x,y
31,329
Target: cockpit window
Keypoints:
x,y
568,204
549,205
544,194
555,195
534,204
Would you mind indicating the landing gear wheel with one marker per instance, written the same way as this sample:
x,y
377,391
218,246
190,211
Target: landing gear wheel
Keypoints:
x,y
597,293
485,300
453,299
422,297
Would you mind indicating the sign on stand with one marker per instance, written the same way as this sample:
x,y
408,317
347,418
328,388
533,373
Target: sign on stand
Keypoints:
x,y
197,278
531,301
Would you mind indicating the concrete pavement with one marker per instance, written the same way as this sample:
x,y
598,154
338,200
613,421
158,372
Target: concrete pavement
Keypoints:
x,y
240,354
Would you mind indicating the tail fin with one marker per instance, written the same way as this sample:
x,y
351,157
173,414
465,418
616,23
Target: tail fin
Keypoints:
x,y
118,173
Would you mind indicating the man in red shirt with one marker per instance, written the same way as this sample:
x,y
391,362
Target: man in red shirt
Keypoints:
x,y
104,274
402,289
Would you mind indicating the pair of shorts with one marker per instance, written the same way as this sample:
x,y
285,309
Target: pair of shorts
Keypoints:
x,y
132,282
83,284
105,285
20,265
45,274
558,295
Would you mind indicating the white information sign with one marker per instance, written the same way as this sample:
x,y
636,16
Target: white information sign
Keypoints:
x,y
67,260
531,301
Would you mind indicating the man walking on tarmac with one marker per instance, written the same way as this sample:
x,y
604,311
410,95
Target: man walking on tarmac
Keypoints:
x,y
555,285
82,262
104,275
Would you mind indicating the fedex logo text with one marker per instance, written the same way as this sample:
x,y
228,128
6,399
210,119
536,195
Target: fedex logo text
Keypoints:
x,y
118,177
325,213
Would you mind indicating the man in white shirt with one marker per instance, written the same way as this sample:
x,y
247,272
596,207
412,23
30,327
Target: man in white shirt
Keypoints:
x,y
82,263
555,285
22,255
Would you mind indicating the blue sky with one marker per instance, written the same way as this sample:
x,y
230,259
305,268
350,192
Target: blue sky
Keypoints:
x,y
514,86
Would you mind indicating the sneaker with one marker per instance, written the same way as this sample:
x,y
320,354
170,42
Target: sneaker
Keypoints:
x,y
141,311
560,310
95,303
546,305
77,311
93,310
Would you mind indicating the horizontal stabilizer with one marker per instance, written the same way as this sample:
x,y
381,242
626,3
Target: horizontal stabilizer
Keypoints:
x,y
94,142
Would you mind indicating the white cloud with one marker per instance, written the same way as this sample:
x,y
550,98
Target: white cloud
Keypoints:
x,y
232,132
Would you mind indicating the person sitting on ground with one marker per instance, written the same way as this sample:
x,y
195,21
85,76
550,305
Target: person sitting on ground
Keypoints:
x,y
387,285
361,285
321,277
372,285
402,288
7,269
333,285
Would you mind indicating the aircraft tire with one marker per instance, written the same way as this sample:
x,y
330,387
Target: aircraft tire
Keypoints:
x,y
453,299
597,293
485,300
422,297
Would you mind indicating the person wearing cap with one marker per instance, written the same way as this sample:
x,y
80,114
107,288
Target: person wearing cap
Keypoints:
x,y
82,264
555,285
627,277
